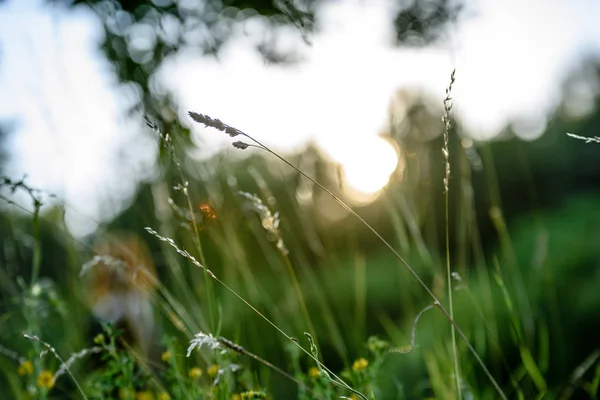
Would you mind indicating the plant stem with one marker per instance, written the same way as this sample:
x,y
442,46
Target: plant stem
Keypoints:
x,y
294,279
338,381
446,152
235,132
402,261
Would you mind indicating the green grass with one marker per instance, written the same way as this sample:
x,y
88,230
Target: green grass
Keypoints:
x,y
289,305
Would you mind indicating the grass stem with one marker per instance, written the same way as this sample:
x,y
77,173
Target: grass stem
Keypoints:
x,y
446,152
215,123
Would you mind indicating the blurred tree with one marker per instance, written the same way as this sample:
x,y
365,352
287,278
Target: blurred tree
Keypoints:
x,y
423,22
141,34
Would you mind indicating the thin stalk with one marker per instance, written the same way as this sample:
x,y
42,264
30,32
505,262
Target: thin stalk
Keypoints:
x,y
37,247
241,145
301,300
168,142
176,308
446,152
164,217
402,261
59,358
209,293
34,194
338,381
241,350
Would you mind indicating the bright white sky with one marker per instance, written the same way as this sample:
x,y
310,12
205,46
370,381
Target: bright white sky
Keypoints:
x,y
72,138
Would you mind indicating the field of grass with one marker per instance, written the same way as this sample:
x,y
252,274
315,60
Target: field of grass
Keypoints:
x,y
228,285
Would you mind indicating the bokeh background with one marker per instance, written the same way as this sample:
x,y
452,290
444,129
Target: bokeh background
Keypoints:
x,y
352,93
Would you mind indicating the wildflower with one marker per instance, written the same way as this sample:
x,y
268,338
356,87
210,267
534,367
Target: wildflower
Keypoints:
x,y
314,372
99,339
26,368
163,396
166,356
360,364
376,345
213,370
235,396
145,395
207,211
196,373
45,380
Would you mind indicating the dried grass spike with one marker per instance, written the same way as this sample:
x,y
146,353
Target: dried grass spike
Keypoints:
x,y
215,123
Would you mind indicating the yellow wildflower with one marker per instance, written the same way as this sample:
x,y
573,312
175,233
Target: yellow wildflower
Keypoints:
x,y
235,396
45,380
213,370
314,372
360,364
26,368
99,339
145,395
164,396
166,356
195,373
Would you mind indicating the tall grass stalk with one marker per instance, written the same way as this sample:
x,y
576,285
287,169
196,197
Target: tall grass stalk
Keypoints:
x,y
303,307
336,380
272,225
34,194
593,139
63,365
313,283
173,310
270,222
163,213
168,143
446,151
241,350
233,132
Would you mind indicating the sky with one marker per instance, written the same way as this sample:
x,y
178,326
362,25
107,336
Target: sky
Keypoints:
x,y
71,136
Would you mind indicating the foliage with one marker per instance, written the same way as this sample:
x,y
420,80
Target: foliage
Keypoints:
x,y
509,308
244,268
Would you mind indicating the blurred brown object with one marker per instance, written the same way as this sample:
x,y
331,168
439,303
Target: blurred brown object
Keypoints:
x,y
120,285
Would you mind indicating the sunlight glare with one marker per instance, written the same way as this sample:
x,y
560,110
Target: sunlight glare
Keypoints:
x,y
368,164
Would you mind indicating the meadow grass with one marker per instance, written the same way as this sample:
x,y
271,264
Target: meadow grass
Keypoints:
x,y
253,299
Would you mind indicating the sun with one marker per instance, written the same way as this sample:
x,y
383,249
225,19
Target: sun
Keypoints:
x,y
366,165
